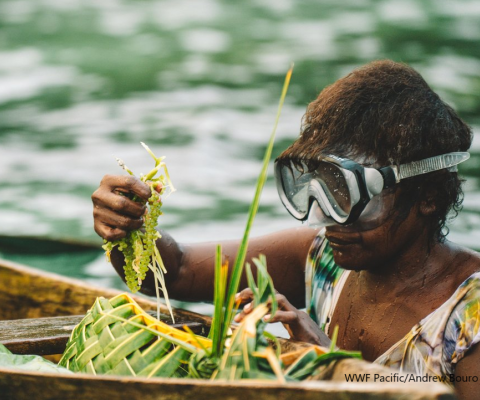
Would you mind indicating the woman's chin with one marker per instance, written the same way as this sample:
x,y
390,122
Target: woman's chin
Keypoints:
x,y
348,260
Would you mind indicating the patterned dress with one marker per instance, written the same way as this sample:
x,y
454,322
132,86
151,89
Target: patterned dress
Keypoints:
x,y
433,346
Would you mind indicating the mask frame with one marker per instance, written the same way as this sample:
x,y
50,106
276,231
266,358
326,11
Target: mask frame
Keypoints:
x,y
359,184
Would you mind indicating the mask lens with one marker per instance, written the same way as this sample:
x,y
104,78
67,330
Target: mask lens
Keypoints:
x,y
295,186
335,186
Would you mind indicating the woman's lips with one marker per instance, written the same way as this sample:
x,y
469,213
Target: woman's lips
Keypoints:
x,y
337,240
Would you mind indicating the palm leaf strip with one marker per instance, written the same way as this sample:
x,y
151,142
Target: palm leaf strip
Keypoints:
x,y
242,252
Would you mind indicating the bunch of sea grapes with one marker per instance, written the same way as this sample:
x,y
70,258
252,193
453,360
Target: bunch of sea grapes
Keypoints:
x,y
139,246
127,246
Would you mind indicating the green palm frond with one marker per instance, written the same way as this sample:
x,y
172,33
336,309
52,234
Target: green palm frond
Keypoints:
x,y
242,251
263,290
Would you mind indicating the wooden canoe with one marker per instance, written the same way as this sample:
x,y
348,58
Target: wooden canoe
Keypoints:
x,y
39,309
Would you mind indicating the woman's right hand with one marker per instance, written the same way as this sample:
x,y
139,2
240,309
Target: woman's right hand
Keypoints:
x,y
114,212
297,323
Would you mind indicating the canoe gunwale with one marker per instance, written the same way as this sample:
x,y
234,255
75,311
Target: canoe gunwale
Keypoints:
x,y
95,387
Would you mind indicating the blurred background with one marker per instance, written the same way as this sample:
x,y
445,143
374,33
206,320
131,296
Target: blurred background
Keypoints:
x,y
84,81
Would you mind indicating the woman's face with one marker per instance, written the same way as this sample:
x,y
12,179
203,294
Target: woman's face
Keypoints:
x,y
379,235
358,249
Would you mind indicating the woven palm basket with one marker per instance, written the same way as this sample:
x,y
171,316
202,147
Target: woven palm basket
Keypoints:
x,y
118,337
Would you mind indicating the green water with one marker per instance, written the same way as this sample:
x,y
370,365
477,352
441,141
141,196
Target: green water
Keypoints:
x,y
84,81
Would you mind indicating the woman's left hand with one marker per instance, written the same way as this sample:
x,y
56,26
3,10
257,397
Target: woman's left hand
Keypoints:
x,y
298,324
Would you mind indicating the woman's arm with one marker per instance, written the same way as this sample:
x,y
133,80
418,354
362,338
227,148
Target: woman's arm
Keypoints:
x,y
468,374
286,253
191,266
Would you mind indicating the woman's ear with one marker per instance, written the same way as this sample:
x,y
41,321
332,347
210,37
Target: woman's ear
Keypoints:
x,y
428,205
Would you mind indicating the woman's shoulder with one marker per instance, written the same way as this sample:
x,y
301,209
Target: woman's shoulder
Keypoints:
x,y
462,330
465,263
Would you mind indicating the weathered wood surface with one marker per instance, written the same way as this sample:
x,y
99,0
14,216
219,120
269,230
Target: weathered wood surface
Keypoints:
x,y
29,293
37,336
27,386
44,336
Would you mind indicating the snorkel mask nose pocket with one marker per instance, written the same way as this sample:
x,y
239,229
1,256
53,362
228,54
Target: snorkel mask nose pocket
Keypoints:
x,y
316,195
318,215
317,218
332,204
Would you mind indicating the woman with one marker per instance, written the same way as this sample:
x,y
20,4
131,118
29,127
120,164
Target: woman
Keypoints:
x,y
384,265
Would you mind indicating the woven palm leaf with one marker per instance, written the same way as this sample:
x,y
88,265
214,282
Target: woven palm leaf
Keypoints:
x,y
117,337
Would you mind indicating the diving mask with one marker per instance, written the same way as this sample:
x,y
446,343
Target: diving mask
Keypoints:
x,y
342,191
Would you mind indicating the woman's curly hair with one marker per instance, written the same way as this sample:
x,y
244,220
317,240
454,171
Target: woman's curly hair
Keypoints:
x,y
385,111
